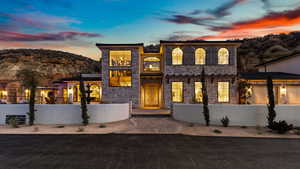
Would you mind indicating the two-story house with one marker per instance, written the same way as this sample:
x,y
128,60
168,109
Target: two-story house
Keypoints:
x,y
170,75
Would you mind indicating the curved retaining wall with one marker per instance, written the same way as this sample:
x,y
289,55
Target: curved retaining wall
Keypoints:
x,y
239,115
68,113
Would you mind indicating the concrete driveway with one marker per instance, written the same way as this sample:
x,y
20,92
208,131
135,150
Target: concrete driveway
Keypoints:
x,y
122,151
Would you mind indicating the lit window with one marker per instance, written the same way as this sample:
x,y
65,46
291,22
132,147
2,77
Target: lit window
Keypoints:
x,y
198,91
223,91
95,93
177,56
27,94
120,78
120,58
151,64
200,54
177,91
223,56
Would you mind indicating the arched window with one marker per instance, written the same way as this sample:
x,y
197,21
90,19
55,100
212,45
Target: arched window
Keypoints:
x,y
223,56
177,56
200,54
152,63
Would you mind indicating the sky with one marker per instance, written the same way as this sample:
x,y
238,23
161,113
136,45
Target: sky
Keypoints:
x,y
77,25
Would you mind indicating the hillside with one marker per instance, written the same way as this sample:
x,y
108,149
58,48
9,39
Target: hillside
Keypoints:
x,y
51,64
257,50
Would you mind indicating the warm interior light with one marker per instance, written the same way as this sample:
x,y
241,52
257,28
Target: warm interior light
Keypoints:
x,y
4,93
282,90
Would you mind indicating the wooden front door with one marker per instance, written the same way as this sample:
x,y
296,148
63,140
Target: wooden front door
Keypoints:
x,y
151,95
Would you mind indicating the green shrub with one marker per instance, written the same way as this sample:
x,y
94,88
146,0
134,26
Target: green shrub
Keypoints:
x,y
225,121
281,127
13,122
217,131
60,126
244,127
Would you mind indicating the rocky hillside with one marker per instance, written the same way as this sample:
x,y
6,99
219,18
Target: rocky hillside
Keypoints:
x,y
51,64
257,50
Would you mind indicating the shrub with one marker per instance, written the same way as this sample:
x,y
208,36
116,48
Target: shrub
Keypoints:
x,y
281,127
13,122
244,127
36,129
102,126
225,121
60,126
217,131
80,129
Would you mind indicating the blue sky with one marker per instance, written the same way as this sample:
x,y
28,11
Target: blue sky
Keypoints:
x,y
76,25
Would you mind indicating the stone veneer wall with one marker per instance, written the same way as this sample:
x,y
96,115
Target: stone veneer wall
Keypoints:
x,y
121,94
217,73
212,88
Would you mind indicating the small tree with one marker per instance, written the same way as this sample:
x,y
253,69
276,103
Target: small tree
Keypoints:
x,y
271,105
30,79
205,98
83,102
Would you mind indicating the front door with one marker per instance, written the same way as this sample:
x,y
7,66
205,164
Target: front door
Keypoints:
x,y
151,95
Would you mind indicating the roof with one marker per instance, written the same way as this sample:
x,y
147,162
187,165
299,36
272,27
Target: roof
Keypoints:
x,y
265,75
202,41
279,59
120,45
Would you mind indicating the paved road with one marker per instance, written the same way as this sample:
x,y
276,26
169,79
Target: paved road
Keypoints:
x,y
146,152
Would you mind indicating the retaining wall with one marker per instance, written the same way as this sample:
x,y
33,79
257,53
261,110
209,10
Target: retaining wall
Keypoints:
x,y
68,113
239,115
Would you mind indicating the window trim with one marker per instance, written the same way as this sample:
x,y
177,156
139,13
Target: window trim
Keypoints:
x,y
182,92
218,57
205,54
228,91
182,57
119,65
119,70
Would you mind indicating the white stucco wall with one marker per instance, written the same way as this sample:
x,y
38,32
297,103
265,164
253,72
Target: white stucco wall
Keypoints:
x,y
247,115
290,65
68,113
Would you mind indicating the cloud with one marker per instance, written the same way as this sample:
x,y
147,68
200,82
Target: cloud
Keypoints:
x,y
60,36
213,15
223,10
182,19
34,20
271,20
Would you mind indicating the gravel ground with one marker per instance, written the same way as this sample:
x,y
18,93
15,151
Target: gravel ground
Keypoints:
x,y
115,151
141,125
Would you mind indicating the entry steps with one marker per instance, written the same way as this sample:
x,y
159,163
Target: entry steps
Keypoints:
x,y
151,113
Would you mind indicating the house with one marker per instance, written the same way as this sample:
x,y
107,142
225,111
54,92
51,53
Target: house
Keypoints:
x,y
285,73
158,79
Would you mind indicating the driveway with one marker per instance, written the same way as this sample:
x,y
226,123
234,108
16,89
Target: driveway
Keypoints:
x,y
122,151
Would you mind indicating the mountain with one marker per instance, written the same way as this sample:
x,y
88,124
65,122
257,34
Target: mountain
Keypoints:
x,y
51,64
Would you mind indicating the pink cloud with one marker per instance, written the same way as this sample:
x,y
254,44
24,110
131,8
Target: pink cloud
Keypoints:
x,y
60,36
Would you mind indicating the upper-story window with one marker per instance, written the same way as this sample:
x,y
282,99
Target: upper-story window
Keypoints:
x,y
177,56
152,64
120,58
200,55
223,56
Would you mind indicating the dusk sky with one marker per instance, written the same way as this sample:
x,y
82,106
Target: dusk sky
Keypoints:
x,y
76,25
